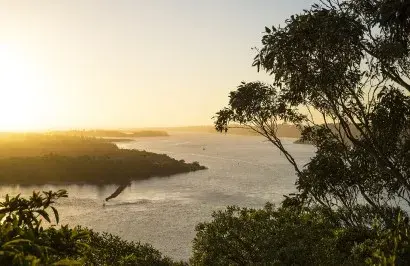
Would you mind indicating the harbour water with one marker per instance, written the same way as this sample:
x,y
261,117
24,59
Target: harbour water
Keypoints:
x,y
242,170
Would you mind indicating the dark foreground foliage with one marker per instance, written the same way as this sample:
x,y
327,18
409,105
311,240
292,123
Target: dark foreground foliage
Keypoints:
x,y
295,236
341,74
42,159
286,235
107,249
24,240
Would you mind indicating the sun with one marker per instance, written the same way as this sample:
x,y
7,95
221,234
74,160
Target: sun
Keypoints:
x,y
22,101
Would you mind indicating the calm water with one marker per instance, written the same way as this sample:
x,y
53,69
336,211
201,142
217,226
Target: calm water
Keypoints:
x,y
243,170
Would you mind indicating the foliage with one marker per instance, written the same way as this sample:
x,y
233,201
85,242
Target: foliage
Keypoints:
x,y
24,240
390,246
297,236
341,75
107,249
334,78
265,236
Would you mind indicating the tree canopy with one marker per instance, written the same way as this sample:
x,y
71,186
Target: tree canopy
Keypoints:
x,y
341,73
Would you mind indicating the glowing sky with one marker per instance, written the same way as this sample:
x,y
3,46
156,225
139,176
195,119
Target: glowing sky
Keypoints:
x,y
84,64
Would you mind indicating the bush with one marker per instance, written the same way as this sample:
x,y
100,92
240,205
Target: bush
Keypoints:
x,y
295,236
24,241
107,249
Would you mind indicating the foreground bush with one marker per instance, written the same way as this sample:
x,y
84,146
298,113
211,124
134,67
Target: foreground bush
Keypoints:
x,y
107,249
24,240
297,236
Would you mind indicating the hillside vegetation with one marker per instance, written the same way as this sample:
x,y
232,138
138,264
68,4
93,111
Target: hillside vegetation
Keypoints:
x,y
40,159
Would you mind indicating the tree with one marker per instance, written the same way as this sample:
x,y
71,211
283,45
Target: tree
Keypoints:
x,y
107,249
268,236
341,74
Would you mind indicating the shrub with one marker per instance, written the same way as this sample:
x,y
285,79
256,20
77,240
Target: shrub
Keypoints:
x,y
24,241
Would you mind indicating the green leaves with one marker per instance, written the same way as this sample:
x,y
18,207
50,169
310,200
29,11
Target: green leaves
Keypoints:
x,y
254,104
340,74
44,214
56,214
67,262
23,241
268,236
318,52
107,249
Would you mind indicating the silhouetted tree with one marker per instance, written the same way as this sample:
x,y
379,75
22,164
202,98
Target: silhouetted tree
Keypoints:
x,y
341,74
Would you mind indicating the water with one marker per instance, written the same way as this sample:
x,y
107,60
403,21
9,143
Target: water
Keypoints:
x,y
243,170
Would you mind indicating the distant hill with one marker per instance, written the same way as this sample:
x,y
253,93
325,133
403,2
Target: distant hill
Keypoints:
x,y
284,130
112,133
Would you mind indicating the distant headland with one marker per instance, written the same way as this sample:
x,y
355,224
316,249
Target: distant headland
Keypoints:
x,y
284,130
36,159
112,133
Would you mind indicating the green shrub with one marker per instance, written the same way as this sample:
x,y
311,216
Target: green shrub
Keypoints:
x,y
107,249
24,240
296,236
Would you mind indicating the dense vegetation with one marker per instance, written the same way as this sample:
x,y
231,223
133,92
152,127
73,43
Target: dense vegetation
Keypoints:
x,y
24,240
41,159
341,74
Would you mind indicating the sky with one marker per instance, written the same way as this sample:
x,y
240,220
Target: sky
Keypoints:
x,y
127,64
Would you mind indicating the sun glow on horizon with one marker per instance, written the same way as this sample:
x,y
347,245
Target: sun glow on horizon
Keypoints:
x,y
23,101
112,64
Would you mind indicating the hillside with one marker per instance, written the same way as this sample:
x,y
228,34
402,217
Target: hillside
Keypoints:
x,y
284,130
50,159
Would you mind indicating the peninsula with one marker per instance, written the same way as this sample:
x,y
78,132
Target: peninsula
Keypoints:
x,y
35,159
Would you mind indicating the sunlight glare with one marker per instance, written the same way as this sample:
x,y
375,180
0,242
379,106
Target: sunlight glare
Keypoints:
x,y
22,102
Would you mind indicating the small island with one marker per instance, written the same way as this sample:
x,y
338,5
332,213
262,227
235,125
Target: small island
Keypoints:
x,y
36,159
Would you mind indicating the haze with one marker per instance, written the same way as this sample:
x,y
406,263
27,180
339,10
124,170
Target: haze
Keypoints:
x,y
106,64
